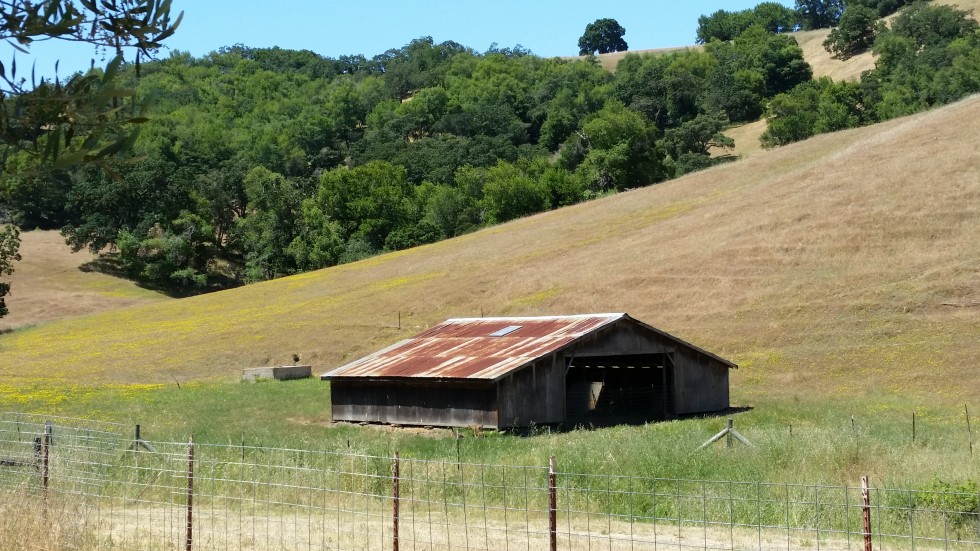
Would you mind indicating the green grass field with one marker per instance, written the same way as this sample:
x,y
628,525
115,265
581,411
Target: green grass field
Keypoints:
x,y
811,441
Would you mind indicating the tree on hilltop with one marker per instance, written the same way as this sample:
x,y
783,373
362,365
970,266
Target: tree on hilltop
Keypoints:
x,y
602,36
819,14
854,34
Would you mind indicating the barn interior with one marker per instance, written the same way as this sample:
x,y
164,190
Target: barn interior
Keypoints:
x,y
608,390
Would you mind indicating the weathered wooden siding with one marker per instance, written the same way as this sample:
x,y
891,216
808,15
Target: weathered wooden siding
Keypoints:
x,y
411,403
535,394
700,383
622,338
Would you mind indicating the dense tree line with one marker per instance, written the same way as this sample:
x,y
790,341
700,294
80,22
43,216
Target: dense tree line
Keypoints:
x,y
263,162
259,163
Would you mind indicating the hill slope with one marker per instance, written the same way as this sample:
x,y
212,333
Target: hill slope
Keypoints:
x,y
820,267
51,283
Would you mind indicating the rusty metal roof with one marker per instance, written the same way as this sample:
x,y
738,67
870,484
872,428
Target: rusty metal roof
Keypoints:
x,y
480,348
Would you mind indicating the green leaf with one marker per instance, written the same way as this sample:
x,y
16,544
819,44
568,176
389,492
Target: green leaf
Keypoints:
x,y
69,160
112,68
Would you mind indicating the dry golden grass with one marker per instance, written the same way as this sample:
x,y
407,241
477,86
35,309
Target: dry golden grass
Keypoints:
x,y
746,138
820,267
48,284
26,525
824,64
968,5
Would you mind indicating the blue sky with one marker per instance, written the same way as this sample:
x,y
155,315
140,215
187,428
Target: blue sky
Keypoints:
x,y
370,27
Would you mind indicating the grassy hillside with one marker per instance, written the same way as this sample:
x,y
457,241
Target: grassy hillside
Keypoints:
x,y
52,283
822,268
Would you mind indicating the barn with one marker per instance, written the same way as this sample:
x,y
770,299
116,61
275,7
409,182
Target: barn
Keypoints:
x,y
504,372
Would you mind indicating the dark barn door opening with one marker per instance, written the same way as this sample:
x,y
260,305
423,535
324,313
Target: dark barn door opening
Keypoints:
x,y
604,390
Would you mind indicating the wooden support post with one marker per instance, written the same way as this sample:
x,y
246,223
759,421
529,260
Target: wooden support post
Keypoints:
x,y
552,504
395,475
459,462
866,513
45,458
969,429
190,496
913,426
730,432
138,442
399,319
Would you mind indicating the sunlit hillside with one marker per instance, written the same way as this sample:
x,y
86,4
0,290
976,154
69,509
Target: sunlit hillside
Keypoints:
x,y
844,265
53,283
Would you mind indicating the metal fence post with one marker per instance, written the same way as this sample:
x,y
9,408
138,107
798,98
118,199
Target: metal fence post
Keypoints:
x,y
552,504
395,472
866,513
190,495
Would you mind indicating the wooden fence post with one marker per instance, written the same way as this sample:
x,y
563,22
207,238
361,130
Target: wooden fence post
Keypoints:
x,y
395,475
969,429
552,504
913,426
45,457
866,513
190,495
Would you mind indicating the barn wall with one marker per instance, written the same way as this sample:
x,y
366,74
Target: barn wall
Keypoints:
x,y
534,394
700,383
412,403
623,338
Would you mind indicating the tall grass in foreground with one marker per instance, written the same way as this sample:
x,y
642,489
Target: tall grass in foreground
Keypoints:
x,y
813,441
28,525
251,497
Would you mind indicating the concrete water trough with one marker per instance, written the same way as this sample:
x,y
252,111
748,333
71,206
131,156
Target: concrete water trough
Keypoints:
x,y
279,373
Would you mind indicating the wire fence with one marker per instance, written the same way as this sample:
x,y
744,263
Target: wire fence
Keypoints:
x,y
87,485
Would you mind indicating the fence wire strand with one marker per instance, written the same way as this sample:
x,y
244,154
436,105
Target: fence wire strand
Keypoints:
x,y
105,493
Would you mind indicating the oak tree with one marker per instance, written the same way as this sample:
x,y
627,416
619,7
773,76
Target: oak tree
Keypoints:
x,y
602,36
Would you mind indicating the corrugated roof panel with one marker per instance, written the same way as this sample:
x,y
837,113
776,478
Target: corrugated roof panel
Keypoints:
x,y
464,348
